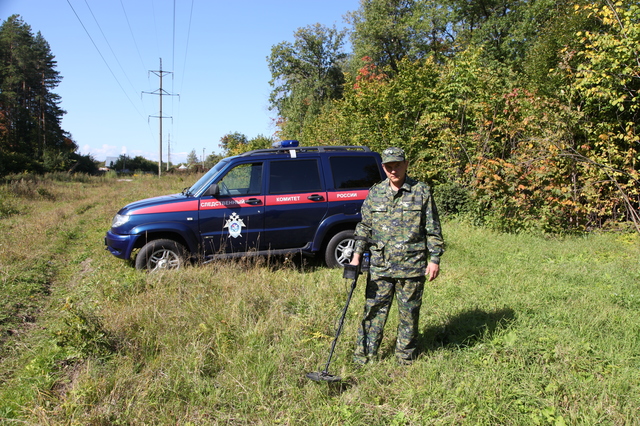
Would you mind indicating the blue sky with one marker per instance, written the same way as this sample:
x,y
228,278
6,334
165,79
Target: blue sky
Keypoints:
x,y
217,56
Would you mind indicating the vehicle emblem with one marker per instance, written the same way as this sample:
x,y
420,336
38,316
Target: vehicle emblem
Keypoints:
x,y
235,224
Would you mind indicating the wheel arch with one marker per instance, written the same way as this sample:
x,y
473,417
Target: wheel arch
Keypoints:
x,y
145,236
334,230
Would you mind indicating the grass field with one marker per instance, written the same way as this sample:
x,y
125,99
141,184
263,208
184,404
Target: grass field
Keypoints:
x,y
517,330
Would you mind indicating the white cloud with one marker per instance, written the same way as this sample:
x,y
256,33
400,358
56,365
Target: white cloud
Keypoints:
x,y
100,154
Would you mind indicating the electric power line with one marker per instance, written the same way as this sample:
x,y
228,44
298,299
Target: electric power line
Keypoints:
x,y
186,51
103,58
138,50
173,44
109,44
173,59
132,36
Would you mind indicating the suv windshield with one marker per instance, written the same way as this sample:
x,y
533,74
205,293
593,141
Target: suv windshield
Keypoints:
x,y
205,180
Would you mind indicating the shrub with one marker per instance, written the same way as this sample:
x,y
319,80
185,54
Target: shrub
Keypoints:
x,y
452,199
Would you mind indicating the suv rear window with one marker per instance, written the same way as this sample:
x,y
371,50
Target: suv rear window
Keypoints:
x,y
294,176
354,172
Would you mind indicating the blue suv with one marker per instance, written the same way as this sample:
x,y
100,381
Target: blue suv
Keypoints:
x,y
289,199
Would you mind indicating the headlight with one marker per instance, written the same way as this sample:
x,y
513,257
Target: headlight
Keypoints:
x,y
119,220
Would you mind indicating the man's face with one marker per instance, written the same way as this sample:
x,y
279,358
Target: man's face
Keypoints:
x,y
396,171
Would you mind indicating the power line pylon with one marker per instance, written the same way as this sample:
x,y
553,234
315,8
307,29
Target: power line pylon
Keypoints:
x,y
161,92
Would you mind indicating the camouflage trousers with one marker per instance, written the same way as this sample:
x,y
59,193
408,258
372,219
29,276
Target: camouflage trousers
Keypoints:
x,y
379,295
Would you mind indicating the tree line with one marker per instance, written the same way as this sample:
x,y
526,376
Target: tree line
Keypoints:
x,y
31,136
522,113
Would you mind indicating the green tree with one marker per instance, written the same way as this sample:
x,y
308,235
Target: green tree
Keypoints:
x,y
212,160
606,87
29,111
233,143
531,110
547,40
305,74
378,110
135,164
388,31
192,158
260,142
83,164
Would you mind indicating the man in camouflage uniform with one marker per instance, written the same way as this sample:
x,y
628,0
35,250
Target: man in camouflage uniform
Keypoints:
x,y
400,223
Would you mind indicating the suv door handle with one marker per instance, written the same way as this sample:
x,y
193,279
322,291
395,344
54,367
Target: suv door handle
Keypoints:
x,y
315,197
254,201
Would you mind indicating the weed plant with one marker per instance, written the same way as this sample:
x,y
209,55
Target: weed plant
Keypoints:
x,y
517,330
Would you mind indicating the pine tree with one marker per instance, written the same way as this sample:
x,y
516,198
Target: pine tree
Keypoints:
x,y
31,136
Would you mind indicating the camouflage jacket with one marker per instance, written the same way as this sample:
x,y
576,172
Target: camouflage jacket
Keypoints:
x,y
403,229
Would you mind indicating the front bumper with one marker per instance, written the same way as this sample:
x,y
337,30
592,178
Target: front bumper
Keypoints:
x,y
119,245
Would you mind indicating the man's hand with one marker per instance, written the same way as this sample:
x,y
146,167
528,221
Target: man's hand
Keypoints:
x,y
432,271
355,259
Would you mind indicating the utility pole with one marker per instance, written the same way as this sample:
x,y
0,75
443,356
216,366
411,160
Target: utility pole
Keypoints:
x,y
168,151
161,92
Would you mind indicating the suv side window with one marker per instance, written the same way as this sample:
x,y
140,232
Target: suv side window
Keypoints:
x,y
354,172
294,176
244,179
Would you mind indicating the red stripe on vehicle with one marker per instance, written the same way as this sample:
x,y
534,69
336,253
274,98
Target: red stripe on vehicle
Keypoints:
x,y
348,195
280,200
227,203
185,206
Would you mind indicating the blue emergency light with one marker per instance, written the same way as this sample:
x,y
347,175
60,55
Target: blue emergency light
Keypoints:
x,y
289,143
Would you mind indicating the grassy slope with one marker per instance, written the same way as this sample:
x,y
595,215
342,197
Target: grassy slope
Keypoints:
x,y
517,330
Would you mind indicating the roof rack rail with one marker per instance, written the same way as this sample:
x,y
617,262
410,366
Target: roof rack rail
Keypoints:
x,y
305,149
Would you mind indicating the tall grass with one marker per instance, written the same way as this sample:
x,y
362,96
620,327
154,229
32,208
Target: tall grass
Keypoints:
x,y
517,330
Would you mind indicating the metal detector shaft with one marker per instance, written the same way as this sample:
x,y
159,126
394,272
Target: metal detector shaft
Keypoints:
x,y
344,313
349,272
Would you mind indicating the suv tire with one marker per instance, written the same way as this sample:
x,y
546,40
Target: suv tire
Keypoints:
x,y
340,249
161,254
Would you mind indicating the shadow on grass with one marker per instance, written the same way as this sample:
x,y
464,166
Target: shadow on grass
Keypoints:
x,y
465,329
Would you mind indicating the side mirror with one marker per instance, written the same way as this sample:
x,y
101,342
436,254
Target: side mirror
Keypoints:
x,y
212,190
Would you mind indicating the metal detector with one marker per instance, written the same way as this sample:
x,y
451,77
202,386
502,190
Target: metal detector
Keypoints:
x,y
350,272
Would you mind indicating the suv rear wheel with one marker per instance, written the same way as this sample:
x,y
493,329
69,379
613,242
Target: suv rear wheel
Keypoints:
x,y
340,249
160,254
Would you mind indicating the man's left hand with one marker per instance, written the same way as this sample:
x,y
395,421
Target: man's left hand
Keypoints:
x,y
433,269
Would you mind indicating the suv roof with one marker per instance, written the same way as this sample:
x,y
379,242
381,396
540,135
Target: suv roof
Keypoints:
x,y
305,149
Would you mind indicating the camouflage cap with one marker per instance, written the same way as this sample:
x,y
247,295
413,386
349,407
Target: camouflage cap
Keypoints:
x,y
393,154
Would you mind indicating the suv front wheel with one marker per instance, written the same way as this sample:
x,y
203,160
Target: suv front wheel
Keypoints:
x,y
160,254
340,249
